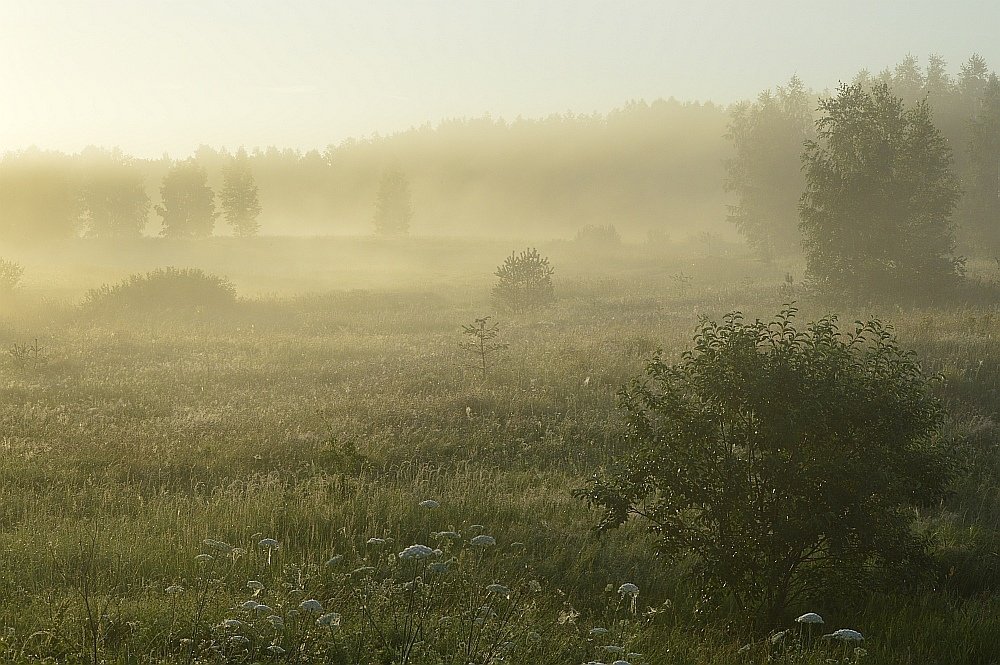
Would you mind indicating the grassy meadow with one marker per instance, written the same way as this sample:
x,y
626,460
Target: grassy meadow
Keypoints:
x,y
333,398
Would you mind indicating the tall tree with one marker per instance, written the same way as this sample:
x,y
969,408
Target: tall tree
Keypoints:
x,y
188,209
240,205
982,181
879,197
113,196
765,173
393,204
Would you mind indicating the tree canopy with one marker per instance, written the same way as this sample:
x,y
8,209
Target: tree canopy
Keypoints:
x,y
880,192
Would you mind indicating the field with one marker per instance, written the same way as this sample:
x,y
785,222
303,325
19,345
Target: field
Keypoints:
x,y
333,399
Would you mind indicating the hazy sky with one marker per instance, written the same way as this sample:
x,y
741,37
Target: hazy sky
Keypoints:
x,y
166,75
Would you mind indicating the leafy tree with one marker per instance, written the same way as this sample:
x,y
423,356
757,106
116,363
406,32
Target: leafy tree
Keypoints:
x,y
393,204
982,181
188,209
766,172
784,461
524,282
879,196
114,199
240,205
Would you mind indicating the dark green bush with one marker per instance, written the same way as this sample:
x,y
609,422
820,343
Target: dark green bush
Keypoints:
x,y
524,282
164,290
785,462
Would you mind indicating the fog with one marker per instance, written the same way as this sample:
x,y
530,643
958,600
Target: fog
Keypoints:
x,y
489,333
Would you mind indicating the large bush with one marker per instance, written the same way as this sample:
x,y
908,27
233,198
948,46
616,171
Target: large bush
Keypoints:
x,y
165,289
524,282
784,462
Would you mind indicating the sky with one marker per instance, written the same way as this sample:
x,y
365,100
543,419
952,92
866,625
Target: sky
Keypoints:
x,y
155,76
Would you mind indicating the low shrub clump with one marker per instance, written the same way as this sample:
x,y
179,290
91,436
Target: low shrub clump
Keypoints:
x,y
165,289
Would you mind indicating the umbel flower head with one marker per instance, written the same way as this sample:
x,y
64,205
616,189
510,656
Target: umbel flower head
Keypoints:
x,y
482,540
628,589
311,605
416,552
810,617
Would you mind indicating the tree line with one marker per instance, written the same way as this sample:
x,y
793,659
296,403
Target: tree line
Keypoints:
x,y
643,166
958,115
655,168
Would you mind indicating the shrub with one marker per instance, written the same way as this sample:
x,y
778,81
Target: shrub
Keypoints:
x,y
164,289
10,275
525,282
599,236
784,462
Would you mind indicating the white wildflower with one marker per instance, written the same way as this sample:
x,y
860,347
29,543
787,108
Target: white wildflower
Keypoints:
x,y
628,589
498,590
429,504
330,619
416,552
218,545
311,605
483,540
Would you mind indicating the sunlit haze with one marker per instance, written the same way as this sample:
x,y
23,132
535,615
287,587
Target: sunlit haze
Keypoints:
x,y
158,76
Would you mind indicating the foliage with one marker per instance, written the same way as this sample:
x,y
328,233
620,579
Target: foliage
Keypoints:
x,y
765,173
113,196
879,196
10,276
393,204
785,461
188,209
481,341
524,282
240,205
162,290
982,181
600,237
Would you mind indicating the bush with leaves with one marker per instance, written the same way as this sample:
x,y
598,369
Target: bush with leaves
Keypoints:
x,y
10,275
784,462
165,289
600,237
524,282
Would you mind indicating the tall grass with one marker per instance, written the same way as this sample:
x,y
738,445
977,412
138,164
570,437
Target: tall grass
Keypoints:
x,y
322,421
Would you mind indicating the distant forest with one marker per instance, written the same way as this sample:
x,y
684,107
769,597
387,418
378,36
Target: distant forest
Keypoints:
x,y
657,169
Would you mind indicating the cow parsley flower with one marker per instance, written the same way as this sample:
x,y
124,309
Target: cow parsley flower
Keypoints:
x,y
416,552
311,605
330,619
483,540
218,545
498,590
628,589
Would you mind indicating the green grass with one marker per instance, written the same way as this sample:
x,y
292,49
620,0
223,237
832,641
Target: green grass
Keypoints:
x,y
322,420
